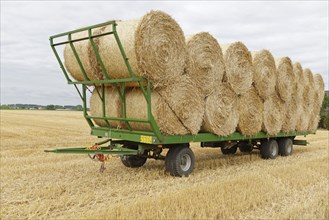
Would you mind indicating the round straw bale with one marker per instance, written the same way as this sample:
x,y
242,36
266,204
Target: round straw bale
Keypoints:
x,y
265,73
319,93
290,116
303,117
299,81
205,61
313,123
308,105
307,102
113,106
309,92
238,66
166,119
301,124
186,101
154,45
87,57
272,115
250,108
285,78
312,108
221,115
308,77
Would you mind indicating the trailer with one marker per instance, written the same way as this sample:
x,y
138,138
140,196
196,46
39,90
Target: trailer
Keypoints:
x,y
134,147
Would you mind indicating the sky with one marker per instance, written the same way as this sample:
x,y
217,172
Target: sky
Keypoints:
x,y
30,72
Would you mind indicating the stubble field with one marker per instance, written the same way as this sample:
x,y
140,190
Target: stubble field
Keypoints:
x,y
35,184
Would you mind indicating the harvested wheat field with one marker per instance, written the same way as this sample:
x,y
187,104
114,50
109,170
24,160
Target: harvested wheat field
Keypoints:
x,y
35,184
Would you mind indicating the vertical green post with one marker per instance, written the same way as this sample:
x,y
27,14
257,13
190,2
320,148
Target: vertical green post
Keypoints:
x,y
104,105
85,114
150,117
124,106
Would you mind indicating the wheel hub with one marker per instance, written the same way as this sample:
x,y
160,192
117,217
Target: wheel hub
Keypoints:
x,y
185,162
274,150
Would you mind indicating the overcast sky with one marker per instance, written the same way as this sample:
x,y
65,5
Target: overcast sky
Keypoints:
x,y
31,74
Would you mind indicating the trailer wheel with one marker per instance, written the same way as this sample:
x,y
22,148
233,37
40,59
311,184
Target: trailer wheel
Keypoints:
x,y
269,149
246,147
285,146
228,151
180,161
133,161
167,159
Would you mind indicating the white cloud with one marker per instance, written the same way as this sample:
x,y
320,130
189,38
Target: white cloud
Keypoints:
x,y
31,74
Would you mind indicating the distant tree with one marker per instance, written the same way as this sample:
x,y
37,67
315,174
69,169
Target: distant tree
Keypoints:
x,y
324,120
78,108
5,107
325,105
50,107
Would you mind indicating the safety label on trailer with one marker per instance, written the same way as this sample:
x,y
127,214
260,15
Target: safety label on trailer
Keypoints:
x,y
146,139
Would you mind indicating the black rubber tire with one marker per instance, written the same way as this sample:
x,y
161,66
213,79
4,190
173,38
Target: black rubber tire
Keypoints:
x,y
229,151
167,159
269,149
133,161
246,147
285,147
180,161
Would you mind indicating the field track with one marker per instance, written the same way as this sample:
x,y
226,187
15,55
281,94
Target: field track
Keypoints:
x,y
35,184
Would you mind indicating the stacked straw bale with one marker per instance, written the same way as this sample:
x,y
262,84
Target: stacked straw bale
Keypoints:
x,y
166,119
301,122
186,101
221,113
113,107
87,57
309,92
313,123
238,66
290,109
265,73
299,81
319,92
318,99
272,115
196,83
290,115
285,78
177,109
205,61
154,45
309,103
250,108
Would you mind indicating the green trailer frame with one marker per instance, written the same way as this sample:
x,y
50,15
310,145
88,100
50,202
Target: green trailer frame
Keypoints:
x,y
120,138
